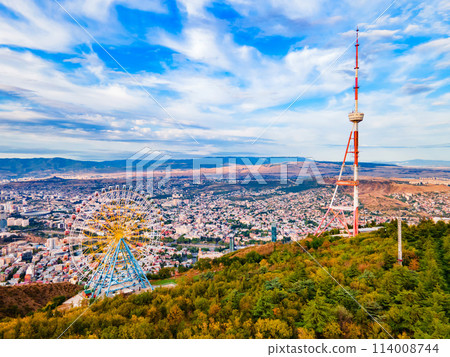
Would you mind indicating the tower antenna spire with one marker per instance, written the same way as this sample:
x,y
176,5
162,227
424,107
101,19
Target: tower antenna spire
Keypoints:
x,y
356,71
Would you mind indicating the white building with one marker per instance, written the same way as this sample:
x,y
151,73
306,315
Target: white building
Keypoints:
x,y
11,221
183,229
210,255
51,243
30,270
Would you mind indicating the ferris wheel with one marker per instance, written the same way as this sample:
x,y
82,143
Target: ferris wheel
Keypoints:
x,y
111,238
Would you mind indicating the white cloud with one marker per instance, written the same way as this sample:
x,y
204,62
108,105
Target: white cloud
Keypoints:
x,y
12,111
374,34
297,9
223,93
199,44
195,8
292,9
101,10
34,28
39,80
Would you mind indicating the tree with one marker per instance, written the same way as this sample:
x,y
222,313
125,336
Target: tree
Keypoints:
x,y
175,316
317,314
204,264
273,284
304,333
263,307
388,261
332,330
267,328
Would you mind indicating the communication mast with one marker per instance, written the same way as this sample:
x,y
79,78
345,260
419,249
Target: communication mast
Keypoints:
x,y
336,211
399,243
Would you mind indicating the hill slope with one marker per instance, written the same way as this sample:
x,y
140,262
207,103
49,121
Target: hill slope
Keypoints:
x,y
279,291
22,299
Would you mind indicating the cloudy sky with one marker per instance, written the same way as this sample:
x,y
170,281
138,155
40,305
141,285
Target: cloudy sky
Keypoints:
x,y
101,79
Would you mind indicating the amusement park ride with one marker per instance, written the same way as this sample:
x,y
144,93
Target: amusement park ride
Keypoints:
x,y
335,211
109,240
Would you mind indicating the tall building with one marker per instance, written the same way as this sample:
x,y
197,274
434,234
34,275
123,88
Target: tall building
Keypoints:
x,y
274,232
51,243
3,221
232,243
3,224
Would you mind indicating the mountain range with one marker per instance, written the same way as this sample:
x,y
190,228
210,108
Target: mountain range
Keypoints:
x,y
41,167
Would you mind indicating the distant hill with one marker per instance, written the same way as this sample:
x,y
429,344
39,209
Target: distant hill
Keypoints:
x,y
23,167
421,163
45,167
10,168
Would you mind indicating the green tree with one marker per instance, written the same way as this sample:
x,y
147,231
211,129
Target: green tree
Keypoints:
x,y
317,314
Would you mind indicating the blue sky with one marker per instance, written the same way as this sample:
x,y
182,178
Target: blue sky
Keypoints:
x,y
207,78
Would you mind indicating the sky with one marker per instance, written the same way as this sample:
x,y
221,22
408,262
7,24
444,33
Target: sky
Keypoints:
x,y
102,79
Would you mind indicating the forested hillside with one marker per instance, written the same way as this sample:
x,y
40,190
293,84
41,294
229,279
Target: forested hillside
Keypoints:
x,y
279,291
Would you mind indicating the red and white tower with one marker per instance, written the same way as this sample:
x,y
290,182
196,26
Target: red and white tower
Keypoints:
x,y
336,211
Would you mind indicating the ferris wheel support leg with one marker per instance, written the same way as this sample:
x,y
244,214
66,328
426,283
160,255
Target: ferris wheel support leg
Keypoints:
x,y
137,269
100,270
112,267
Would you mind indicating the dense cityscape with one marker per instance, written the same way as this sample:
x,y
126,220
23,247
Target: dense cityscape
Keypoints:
x,y
207,220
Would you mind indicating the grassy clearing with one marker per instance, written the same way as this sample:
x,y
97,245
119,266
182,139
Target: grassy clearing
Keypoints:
x,y
163,282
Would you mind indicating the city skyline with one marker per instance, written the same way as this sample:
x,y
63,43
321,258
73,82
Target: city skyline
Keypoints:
x,y
202,78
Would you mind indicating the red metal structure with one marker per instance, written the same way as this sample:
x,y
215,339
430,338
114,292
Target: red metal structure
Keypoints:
x,y
335,211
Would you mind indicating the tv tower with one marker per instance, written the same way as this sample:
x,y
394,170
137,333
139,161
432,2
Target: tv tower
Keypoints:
x,y
336,211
